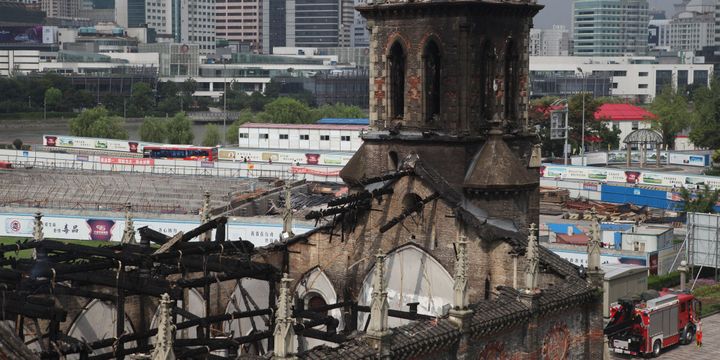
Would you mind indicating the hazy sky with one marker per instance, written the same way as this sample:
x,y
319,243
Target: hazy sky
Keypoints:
x,y
558,11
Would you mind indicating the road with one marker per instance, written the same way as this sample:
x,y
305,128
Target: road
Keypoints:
x,y
709,351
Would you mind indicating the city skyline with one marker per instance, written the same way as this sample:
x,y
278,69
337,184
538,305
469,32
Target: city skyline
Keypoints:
x,y
557,12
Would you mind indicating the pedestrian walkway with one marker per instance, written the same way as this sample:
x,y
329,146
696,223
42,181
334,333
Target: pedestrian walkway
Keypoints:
x,y
709,351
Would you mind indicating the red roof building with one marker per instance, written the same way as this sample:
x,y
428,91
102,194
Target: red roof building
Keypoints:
x,y
622,112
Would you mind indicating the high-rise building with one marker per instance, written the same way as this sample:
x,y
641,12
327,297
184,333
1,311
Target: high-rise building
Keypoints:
x,y
694,28
188,22
361,35
307,23
130,13
550,42
610,27
317,22
239,20
274,28
60,8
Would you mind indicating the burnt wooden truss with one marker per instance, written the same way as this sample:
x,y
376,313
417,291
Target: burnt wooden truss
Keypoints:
x,y
158,264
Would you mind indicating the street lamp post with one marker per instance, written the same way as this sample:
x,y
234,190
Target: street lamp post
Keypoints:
x,y
582,140
44,108
224,100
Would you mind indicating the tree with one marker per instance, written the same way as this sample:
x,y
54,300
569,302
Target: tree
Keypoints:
x,y
96,122
286,111
153,130
53,98
705,131
212,135
17,143
702,201
672,115
187,88
141,100
109,127
337,111
232,132
179,129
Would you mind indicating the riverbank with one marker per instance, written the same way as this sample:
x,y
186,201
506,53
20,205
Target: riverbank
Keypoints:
x,y
31,131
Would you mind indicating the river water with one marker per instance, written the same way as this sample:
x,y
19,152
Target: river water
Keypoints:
x,y
31,131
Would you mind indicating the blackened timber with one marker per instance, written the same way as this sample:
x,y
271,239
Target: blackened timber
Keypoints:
x,y
378,179
408,315
31,308
396,220
120,315
220,229
47,288
212,224
132,283
323,335
197,282
361,196
224,264
317,214
152,235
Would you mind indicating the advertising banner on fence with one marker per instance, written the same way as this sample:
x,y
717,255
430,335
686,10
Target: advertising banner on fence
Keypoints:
x,y
581,173
580,258
111,229
127,161
689,159
77,142
302,170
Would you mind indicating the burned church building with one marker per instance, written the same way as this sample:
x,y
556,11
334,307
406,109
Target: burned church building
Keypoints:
x,y
436,244
433,254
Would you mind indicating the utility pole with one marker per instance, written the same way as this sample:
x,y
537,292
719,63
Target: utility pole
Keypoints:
x,y
124,108
224,99
565,149
44,108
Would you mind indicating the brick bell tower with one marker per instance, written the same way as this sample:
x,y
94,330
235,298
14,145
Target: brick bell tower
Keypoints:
x,y
448,84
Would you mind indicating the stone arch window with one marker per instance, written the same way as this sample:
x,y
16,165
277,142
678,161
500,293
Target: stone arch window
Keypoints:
x,y
511,80
432,66
397,60
487,76
314,302
393,161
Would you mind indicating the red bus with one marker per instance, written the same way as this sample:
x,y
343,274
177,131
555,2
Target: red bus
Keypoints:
x,y
181,152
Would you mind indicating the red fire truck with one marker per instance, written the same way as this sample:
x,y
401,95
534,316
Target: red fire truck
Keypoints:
x,y
646,328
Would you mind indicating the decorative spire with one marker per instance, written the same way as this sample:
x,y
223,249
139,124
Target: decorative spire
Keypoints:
x,y
205,212
129,232
379,304
205,215
284,332
536,156
594,271
287,215
593,247
164,342
460,298
38,227
532,258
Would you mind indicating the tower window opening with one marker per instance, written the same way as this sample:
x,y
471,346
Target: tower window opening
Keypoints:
x,y
432,78
487,74
397,81
511,80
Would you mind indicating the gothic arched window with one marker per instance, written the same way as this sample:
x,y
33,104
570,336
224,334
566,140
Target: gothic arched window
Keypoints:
x,y
511,80
397,81
487,76
431,57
